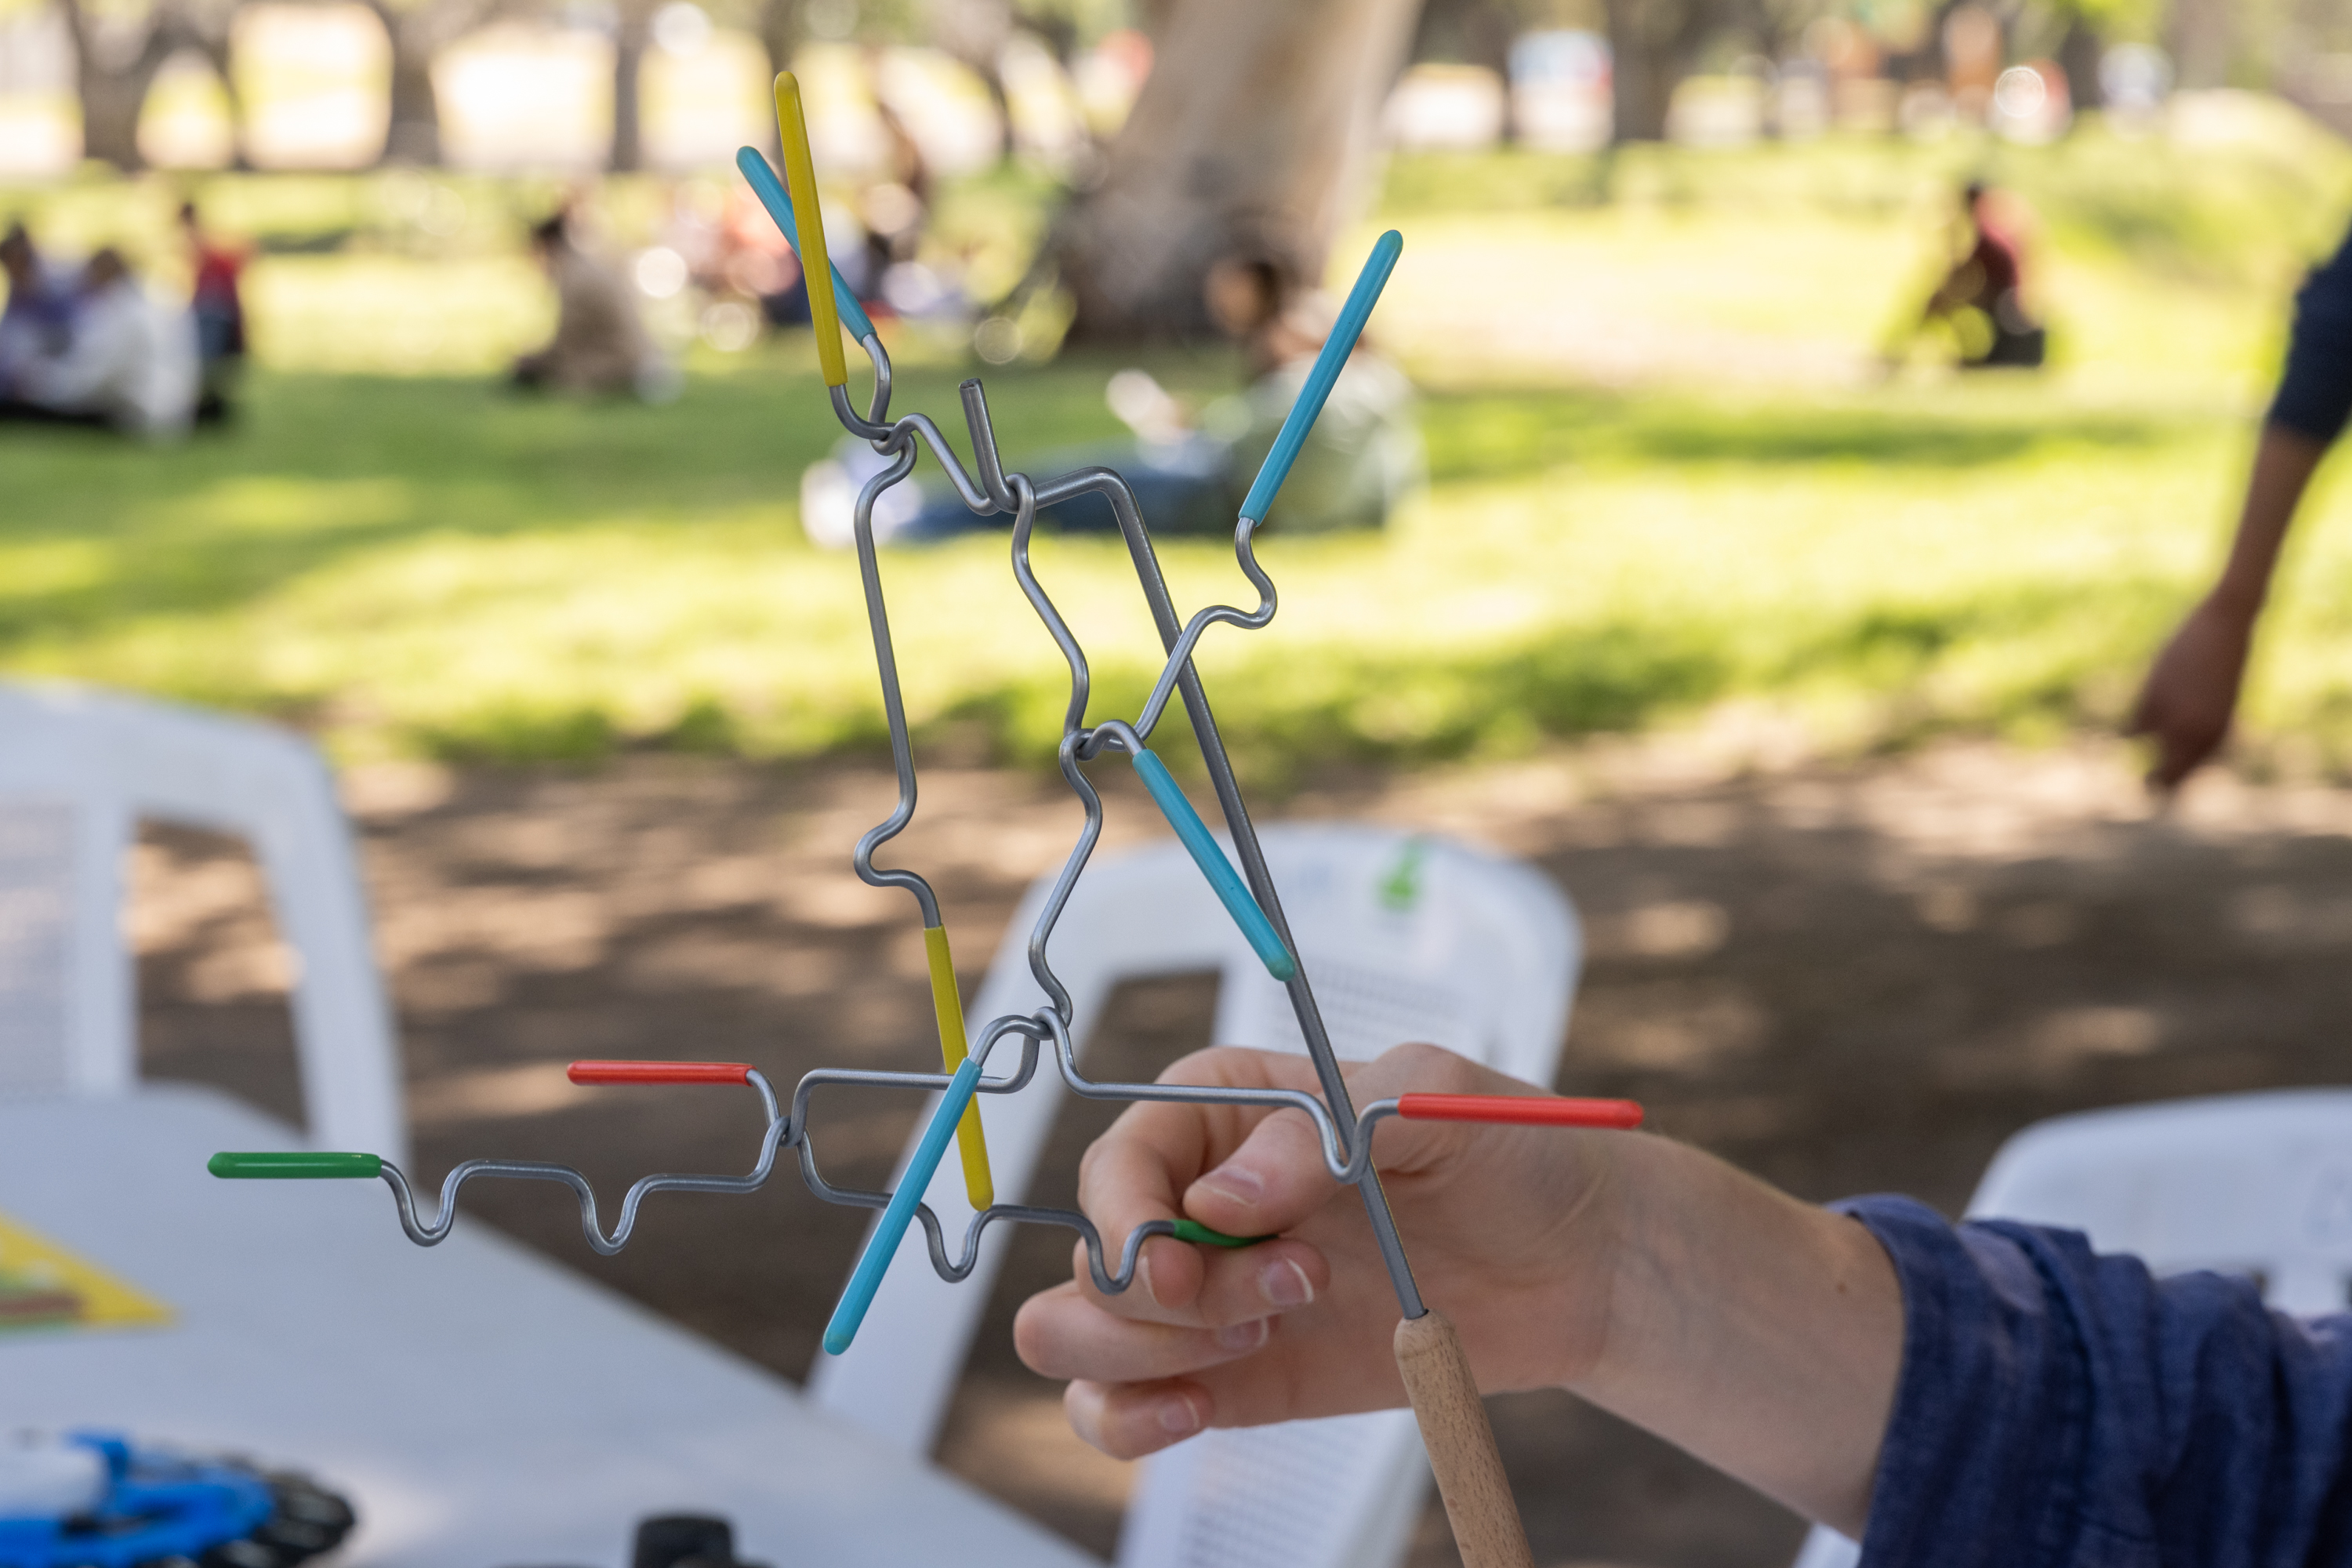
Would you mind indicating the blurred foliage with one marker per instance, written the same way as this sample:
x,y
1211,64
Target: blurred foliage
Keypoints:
x,y
2273,194
425,564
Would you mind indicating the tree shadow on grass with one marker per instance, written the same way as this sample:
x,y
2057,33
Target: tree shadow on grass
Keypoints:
x,y
319,469
1624,674
1495,435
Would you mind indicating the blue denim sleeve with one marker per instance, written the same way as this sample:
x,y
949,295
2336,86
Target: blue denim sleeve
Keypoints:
x,y
2314,395
2061,1409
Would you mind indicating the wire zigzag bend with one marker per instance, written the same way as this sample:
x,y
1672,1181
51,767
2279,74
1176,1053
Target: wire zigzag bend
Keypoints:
x,y
992,491
791,1132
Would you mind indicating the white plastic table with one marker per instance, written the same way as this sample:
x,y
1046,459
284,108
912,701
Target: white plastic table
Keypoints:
x,y
483,1408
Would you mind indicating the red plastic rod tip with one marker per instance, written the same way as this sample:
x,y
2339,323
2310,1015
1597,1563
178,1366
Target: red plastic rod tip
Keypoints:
x,y
1529,1110
659,1072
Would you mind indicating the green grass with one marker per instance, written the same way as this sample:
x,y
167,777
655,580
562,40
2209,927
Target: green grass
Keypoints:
x,y
421,563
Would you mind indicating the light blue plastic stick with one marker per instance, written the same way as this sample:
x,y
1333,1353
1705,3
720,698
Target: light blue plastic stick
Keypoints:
x,y
1327,365
1214,866
770,192
883,1244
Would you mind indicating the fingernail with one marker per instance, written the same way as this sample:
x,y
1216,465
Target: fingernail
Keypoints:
x,y
1243,1336
1238,1183
1143,1276
1284,1284
1178,1417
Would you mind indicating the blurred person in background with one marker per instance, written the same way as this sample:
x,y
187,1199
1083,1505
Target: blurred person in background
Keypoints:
x,y
1982,296
2190,696
219,311
874,241
600,345
1189,475
127,362
38,323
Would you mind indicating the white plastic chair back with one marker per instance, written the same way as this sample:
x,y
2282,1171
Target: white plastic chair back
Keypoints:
x,y
2257,1184
1407,938
79,769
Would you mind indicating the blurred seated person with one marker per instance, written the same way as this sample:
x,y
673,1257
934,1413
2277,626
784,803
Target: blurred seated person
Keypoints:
x,y
600,344
38,321
879,232
1188,475
2190,696
219,309
128,363
1983,294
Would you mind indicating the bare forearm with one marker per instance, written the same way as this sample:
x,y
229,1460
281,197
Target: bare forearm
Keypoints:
x,y
1762,1334
2284,461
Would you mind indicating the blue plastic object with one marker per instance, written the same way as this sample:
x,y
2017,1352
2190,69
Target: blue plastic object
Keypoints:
x,y
770,192
156,1507
1320,379
883,1244
1231,892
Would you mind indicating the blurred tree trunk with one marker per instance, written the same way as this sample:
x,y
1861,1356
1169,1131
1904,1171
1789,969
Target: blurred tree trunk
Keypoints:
x,y
115,57
1652,44
2079,53
2197,34
418,32
210,26
780,33
1252,133
216,51
628,58
1474,32
975,32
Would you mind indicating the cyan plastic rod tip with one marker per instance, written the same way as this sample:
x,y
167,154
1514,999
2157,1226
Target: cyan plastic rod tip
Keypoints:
x,y
882,1245
1231,891
1337,347
770,189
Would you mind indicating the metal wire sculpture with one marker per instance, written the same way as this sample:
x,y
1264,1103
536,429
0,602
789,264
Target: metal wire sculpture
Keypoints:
x,y
1248,893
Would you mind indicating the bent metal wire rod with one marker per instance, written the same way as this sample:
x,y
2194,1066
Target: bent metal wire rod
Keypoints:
x,y
1248,895
791,1130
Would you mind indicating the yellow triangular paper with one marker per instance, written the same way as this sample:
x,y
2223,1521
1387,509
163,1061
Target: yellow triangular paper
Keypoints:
x,y
43,1286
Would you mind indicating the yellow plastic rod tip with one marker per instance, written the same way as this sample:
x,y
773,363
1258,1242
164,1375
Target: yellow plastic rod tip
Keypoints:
x,y
946,1005
799,178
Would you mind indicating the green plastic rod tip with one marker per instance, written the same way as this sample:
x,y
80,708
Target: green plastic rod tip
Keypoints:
x,y
305,1165
1193,1230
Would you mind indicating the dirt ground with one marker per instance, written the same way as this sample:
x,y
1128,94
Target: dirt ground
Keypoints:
x,y
1850,978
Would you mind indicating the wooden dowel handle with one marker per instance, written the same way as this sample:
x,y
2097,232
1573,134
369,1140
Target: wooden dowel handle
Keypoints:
x,y
1461,1443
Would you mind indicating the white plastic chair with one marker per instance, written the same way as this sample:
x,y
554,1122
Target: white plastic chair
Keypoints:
x,y
2257,1184
79,769
1407,938
443,1391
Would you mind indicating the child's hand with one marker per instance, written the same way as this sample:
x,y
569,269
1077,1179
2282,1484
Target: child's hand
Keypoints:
x,y
1509,1229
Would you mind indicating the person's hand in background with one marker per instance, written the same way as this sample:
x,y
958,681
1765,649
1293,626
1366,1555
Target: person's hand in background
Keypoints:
x,y
2190,696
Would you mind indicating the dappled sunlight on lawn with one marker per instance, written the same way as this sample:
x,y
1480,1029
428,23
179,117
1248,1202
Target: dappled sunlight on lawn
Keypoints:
x,y
1728,510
